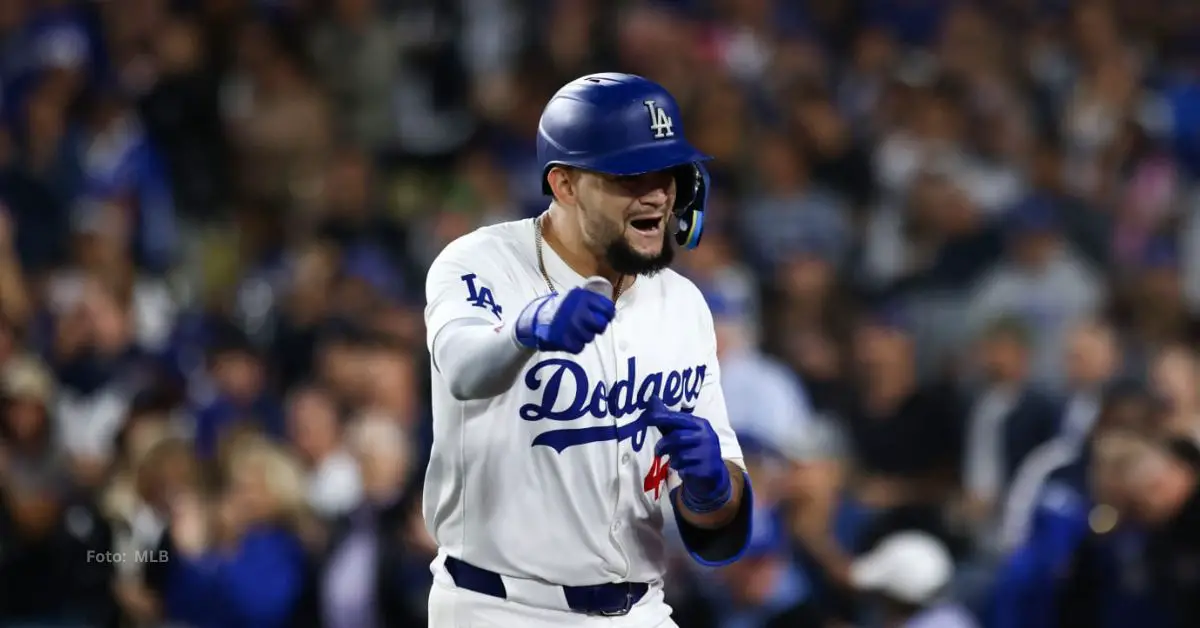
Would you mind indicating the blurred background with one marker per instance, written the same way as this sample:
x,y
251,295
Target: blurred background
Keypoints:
x,y
953,254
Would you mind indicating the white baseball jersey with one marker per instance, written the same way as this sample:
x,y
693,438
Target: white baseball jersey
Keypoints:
x,y
556,479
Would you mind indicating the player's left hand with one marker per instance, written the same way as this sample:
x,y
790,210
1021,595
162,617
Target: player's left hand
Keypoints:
x,y
695,454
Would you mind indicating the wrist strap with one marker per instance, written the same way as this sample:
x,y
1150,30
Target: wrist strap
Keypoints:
x,y
534,315
704,504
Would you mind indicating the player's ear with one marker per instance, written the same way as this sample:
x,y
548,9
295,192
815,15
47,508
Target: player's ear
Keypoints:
x,y
563,185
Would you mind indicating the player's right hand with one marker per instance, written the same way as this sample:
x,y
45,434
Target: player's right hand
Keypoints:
x,y
565,322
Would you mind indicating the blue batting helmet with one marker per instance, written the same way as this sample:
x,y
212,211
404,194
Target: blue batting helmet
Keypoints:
x,y
623,125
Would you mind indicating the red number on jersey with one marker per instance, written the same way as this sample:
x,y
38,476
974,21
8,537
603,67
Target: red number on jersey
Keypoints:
x,y
656,477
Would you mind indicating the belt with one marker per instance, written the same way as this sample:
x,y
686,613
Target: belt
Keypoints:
x,y
610,600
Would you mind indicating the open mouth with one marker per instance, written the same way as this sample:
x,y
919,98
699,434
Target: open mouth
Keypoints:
x,y
646,225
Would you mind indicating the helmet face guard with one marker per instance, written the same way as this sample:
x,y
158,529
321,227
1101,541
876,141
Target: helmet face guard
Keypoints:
x,y
624,125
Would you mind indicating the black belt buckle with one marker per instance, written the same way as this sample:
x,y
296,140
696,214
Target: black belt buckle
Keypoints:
x,y
624,610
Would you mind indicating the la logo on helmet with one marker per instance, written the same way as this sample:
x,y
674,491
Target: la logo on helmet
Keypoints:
x,y
660,121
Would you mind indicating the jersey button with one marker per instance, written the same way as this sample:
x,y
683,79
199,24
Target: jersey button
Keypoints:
x,y
625,459
616,526
623,346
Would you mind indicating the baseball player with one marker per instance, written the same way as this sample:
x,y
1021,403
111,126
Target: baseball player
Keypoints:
x,y
576,393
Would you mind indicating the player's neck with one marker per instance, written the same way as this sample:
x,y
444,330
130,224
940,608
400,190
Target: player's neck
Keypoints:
x,y
564,236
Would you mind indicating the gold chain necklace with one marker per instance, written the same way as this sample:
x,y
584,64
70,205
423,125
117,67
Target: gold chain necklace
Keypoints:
x,y
537,239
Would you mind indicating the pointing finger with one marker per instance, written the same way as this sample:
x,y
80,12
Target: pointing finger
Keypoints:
x,y
668,422
669,445
684,460
676,444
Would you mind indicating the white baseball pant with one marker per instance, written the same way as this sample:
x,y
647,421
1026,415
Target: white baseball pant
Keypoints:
x,y
452,607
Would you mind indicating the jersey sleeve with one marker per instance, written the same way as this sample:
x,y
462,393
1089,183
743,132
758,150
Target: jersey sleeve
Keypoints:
x,y
468,281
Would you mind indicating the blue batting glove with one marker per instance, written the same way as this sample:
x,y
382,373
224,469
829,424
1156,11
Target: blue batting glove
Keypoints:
x,y
695,454
566,322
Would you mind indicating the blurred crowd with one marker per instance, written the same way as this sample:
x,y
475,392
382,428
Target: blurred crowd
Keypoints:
x,y
953,256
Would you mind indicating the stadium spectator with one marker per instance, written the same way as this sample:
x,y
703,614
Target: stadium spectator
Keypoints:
x,y
236,559
1010,418
906,437
908,575
315,429
377,549
1050,535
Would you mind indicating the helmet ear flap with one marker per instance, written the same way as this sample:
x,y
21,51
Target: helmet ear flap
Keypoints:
x,y
692,183
688,228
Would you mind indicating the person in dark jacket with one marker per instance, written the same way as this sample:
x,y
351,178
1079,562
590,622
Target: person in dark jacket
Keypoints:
x,y
55,548
1165,487
1071,563
57,561
1009,418
374,570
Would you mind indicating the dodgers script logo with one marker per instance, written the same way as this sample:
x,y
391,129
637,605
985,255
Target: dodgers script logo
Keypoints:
x,y
627,396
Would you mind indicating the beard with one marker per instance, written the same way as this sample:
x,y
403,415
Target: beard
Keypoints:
x,y
622,257
618,254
